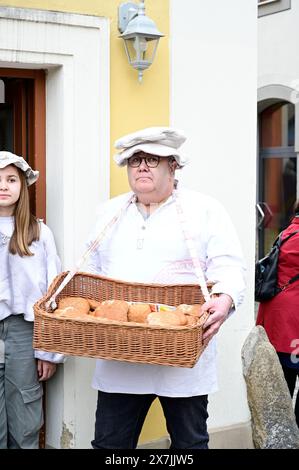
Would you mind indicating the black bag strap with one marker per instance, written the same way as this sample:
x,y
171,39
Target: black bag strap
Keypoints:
x,y
294,278
280,241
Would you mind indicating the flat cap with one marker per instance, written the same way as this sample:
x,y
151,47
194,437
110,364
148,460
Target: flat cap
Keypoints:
x,y
162,141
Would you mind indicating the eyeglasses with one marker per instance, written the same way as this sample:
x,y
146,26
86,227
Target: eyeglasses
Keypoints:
x,y
152,161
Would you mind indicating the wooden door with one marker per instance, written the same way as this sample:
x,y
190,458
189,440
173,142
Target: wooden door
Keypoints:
x,y
23,131
23,125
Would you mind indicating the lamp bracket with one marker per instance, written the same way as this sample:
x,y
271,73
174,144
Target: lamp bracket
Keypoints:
x,y
126,12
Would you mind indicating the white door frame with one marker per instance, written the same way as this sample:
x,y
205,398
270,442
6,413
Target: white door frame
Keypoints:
x,y
74,51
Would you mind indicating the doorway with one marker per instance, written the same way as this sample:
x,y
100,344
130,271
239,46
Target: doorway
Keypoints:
x,y
23,125
23,131
277,171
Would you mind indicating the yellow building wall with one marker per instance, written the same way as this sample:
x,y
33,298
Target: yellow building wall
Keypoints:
x,y
132,105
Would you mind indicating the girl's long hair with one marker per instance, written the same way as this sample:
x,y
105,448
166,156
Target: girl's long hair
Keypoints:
x,y
27,229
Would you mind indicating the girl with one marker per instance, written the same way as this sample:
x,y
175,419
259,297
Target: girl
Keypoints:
x,y
28,263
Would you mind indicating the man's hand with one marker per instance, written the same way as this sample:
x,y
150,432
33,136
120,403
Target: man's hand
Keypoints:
x,y
45,369
218,307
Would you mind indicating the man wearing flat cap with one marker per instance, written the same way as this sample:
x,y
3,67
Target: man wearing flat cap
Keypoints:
x,y
164,235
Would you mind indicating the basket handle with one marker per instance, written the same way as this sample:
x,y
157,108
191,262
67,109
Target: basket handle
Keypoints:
x,y
188,238
51,302
191,248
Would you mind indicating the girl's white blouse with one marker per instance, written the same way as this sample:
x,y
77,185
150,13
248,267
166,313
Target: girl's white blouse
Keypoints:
x,y
24,280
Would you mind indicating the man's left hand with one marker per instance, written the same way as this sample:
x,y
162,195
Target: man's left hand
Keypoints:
x,y
218,307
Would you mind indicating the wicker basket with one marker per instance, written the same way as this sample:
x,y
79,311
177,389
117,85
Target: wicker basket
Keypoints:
x,y
123,341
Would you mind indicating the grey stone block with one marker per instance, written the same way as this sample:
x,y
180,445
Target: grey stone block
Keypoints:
x,y
273,420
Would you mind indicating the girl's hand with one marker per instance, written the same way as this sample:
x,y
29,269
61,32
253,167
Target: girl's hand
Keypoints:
x,y
218,307
45,369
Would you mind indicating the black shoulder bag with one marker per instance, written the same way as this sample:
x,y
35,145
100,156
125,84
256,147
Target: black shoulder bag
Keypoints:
x,y
266,272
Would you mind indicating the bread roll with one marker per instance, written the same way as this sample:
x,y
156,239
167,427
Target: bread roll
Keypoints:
x,y
120,304
138,312
71,313
79,303
191,320
93,304
64,311
191,312
113,310
171,318
189,309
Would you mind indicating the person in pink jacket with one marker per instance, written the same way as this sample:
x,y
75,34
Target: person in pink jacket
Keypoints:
x,y
280,315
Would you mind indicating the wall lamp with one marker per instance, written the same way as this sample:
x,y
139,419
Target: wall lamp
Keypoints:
x,y
140,35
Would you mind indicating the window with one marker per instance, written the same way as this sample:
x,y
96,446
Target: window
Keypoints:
x,y
277,188
267,7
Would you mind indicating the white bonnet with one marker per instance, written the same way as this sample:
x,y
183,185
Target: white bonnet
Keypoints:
x,y
8,158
